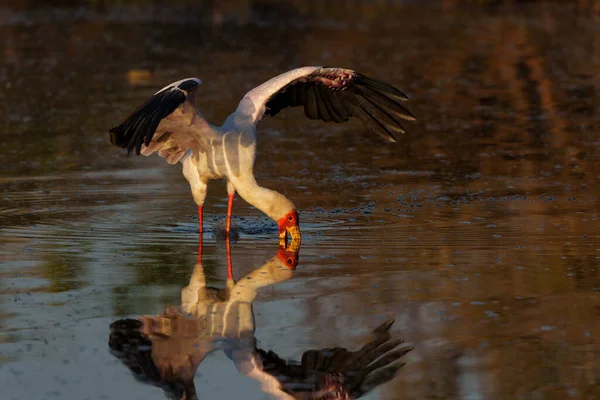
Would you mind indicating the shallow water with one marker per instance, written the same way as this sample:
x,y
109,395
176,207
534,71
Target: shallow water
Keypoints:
x,y
478,232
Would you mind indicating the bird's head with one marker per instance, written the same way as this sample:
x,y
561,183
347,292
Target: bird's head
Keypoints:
x,y
289,224
289,255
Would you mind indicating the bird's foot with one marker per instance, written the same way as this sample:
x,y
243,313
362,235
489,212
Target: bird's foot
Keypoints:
x,y
221,233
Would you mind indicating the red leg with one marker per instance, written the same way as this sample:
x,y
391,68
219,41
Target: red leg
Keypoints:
x,y
199,260
229,266
200,219
229,209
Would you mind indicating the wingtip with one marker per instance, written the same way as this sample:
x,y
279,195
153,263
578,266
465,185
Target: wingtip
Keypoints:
x,y
408,116
186,84
398,129
189,84
383,87
384,327
113,135
403,96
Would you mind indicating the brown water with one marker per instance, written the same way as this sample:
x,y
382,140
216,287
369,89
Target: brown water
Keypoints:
x,y
478,231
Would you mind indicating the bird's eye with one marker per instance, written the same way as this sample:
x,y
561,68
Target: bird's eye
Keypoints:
x,y
290,218
290,261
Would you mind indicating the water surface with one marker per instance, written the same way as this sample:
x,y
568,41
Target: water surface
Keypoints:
x,y
477,232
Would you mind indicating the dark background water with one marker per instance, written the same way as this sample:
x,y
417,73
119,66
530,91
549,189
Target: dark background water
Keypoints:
x,y
478,231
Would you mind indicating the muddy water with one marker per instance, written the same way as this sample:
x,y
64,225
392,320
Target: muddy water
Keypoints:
x,y
478,232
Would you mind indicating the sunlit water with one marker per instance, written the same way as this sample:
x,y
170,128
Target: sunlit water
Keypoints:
x,y
478,232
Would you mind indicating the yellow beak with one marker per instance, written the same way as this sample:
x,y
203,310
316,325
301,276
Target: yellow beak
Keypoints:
x,y
294,232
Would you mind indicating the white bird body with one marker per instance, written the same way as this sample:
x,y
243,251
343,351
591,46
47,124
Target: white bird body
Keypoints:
x,y
170,124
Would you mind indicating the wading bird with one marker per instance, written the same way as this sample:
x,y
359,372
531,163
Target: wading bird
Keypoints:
x,y
169,123
166,350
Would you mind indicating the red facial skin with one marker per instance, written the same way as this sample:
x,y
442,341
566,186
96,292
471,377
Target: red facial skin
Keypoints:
x,y
289,258
290,219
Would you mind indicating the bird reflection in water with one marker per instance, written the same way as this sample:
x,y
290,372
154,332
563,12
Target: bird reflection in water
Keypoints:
x,y
166,350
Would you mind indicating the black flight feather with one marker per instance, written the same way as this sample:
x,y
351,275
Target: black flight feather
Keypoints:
x,y
134,348
334,94
310,103
328,99
383,101
297,96
382,117
323,113
382,87
356,371
188,85
140,126
336,104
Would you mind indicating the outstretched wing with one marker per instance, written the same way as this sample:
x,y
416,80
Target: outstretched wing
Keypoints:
x,y
166,122
168,362
331,94
338,371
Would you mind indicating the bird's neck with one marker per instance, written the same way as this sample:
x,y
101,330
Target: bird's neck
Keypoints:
x,y
272,272
270,202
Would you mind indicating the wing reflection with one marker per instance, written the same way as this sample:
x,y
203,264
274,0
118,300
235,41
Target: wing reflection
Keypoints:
x,y
166,350
336,373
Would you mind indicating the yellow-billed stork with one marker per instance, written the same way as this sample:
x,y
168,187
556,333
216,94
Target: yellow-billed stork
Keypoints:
x,y
169,123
